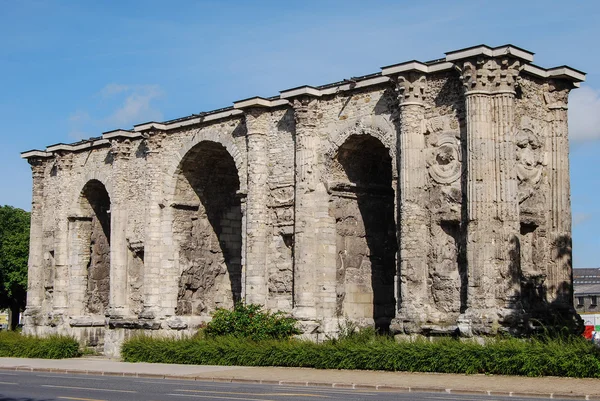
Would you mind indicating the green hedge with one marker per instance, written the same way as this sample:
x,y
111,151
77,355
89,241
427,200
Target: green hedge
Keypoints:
x,y
572,357
14,344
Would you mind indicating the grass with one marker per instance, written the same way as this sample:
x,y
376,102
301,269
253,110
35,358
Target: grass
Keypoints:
x,y
13,344
569,356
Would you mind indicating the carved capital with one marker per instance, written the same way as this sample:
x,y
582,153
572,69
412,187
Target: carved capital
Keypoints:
x,y
490,74
557,94
305,111
256,120
37,167
120,149
411,88
62,161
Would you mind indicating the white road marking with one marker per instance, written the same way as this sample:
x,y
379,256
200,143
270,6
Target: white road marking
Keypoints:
x,y
182,382
244,393
90,388
325,390
59,376
222,398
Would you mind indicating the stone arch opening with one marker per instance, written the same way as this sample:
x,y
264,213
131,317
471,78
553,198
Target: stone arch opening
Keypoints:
x,y
363,206
94,231
207,228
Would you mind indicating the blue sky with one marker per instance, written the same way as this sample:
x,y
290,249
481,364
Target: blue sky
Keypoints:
x,y
74,69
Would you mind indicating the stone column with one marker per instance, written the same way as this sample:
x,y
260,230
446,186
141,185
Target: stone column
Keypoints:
x,y
35,277
118,306
256,279
491,190
305,238
560,271
413,236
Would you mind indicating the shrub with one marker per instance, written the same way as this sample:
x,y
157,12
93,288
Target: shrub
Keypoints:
x,y
53,347
250,321
572,357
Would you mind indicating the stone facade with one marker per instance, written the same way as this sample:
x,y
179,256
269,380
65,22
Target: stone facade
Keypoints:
x,y
429,198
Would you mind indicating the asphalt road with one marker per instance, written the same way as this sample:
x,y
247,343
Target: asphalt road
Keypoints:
x,y
35,386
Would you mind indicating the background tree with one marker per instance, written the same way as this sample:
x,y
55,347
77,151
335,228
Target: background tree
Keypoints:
x,y
14,252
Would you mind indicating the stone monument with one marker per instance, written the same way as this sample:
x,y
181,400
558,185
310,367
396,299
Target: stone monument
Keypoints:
x,y
428,198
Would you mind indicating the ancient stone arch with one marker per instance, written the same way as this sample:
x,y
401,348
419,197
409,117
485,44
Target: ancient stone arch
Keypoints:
x,y
101,176
362,203
375,126
90,240
208,135
207,225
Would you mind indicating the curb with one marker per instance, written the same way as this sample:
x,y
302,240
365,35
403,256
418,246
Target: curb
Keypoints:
x,y
349,386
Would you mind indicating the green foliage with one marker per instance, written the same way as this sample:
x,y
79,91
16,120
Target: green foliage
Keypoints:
x,y
54,347
573,357
350,331
14,250
250,321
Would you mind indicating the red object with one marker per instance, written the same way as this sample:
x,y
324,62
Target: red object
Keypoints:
x,y
587,333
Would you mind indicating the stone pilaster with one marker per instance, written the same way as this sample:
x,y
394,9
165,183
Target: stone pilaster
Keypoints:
x,y
118,226
560,271
35,278
153,246
491,189
305,236
79,253
413,216
60,245
257,125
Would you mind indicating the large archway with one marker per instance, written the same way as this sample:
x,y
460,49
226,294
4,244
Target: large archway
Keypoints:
x,y
363,206
207,228
94,203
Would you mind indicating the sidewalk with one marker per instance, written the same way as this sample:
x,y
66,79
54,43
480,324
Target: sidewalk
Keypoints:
x,y
549,387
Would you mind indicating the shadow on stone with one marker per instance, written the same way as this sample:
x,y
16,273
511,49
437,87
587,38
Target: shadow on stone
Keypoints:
x,y
540,307
208,226
367,165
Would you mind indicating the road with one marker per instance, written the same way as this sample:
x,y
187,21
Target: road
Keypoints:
x,y
36,386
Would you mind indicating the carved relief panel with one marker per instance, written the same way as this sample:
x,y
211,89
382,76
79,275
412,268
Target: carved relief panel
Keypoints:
x,y
444,164
531,157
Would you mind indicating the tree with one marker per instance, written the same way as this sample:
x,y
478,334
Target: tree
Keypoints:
x,y
14,252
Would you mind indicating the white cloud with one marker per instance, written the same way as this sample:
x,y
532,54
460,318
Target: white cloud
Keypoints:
x,y
113,89
580,218
137,107
584,114
117,106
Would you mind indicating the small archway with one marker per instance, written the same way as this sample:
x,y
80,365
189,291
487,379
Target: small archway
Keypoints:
x,y
94,252
207,229
363,206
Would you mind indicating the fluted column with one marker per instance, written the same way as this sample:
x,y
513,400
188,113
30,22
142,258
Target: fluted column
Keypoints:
x,y
491,190
305,238
560,272
413,216
35,277
256,279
